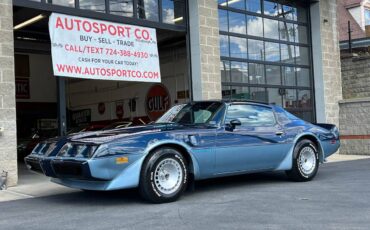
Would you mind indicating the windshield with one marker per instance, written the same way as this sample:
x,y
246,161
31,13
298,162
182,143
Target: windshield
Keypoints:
x,y
170,114
117,125
197,113
77,129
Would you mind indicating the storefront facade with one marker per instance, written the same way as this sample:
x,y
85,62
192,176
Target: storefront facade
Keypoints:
x,y
281,52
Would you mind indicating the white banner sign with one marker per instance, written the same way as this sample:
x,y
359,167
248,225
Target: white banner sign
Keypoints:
x,y
94,49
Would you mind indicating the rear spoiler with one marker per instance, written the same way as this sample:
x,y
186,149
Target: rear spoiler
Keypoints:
x,y
326,126
330,127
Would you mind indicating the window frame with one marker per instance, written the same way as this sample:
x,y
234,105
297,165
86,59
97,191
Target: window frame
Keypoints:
x,y
301,20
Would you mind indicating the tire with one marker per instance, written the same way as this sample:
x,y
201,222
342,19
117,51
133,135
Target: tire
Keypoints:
x,y
164,176
305,161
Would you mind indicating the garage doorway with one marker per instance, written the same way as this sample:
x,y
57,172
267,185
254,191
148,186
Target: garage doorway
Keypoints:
x,y
89,104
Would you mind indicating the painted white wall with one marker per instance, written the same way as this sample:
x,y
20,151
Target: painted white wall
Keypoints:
x,y
87,94
42,81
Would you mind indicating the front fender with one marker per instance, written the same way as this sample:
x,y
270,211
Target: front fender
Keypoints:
x,y
194,164
287,163
130,177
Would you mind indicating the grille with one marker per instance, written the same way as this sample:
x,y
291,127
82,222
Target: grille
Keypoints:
x,y
68,169
35,166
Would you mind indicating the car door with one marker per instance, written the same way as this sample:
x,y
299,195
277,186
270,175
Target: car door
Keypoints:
x,y
258,143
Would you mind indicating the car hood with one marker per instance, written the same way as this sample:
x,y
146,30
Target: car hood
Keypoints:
x,y
115,134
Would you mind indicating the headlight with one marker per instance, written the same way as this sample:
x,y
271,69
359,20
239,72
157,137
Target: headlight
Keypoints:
x,y
103,151
37,149
77,150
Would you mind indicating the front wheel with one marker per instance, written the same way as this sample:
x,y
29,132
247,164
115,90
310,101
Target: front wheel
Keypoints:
x,y
305,161
164,176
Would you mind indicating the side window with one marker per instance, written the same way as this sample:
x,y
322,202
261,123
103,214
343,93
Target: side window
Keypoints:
x,y
251,115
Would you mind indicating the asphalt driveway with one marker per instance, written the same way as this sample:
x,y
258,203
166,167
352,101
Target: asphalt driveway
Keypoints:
x,y
338,198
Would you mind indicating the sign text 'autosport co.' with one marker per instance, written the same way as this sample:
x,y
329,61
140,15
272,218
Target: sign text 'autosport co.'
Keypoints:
x,y
94,49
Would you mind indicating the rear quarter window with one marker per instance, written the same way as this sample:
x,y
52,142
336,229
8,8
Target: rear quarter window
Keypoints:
x,y
250,115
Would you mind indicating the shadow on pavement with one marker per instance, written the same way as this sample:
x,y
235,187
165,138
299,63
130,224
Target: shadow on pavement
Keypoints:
x,y
131,196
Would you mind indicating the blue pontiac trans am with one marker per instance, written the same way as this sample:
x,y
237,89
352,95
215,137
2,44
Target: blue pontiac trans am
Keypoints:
x,y
194,141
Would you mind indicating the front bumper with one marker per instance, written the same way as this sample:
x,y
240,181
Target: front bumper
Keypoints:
x,y
40,164
33,163
73,169
104,173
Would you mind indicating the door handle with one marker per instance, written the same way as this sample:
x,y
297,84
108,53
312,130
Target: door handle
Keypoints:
x,y
279,133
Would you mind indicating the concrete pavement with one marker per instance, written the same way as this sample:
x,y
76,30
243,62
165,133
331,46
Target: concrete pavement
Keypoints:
x,y
338,198
35,185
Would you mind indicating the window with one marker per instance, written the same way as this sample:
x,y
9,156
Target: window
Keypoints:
x,y
287,53
239,72
238,47
237,4
173,11
123,8
250,115
148,9
240,92
197,113
271,8
225,71
254,6
273,75
288,76
258,94
274,96
267,41
254,26
255,49
237,23
272,52
287,31
62,2
256,73
224,45
222,20
95,5
271,28
367,17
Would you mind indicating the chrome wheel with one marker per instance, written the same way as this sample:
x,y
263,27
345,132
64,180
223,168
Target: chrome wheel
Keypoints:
x,y
307,160
168,176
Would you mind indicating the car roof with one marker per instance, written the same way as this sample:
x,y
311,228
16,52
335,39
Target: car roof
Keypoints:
x,y
234,101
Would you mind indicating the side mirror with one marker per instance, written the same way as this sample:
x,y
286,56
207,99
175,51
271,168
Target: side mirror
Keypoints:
x,y
234,123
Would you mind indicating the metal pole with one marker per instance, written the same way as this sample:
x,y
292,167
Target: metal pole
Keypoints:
x,y
188,52
349,37
62,117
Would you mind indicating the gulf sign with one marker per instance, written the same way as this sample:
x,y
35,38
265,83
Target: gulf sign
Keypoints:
x,y
94,49
157,101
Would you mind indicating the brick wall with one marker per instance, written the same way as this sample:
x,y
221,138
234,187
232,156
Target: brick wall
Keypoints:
x,y
355,126
355,108
8,138
331,60
205,49
356,76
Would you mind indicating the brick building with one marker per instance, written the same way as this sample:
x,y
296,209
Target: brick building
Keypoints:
x,y
283,52
354,108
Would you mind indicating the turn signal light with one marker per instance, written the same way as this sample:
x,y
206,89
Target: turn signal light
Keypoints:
x,y
121,160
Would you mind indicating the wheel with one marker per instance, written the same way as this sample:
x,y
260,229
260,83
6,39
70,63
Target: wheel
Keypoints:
x,y
164,176
305,161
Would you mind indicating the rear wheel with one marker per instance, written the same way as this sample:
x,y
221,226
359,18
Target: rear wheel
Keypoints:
x,y
305,161
164,176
